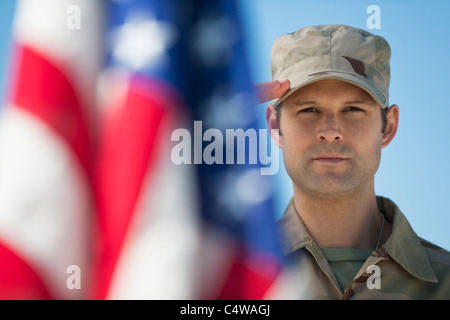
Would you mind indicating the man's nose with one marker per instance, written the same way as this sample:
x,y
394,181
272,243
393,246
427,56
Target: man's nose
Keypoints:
x,y
330,130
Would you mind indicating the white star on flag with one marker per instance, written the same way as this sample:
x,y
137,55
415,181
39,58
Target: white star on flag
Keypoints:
x,y
143,42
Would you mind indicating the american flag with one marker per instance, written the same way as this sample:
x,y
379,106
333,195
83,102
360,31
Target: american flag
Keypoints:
x,y
148,224
46,150
106,195
242,255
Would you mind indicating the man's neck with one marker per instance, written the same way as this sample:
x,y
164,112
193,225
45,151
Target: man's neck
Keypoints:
x,y
347,222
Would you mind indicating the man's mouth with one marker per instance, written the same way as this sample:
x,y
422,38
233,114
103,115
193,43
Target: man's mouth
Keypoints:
x,y
330,158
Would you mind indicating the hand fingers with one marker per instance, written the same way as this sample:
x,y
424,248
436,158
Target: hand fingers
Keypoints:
x,y
271,90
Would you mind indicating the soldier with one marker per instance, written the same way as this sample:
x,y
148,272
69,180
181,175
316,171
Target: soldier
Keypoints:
x,y
333,115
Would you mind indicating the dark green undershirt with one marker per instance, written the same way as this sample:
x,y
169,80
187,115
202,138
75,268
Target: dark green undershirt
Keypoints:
x,y
345,263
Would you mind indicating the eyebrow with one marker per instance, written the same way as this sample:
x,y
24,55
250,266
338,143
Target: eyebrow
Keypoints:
x,y
367,101
360,101
299,103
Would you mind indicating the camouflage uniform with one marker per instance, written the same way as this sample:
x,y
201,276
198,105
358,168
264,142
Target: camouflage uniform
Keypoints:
x,y
411,268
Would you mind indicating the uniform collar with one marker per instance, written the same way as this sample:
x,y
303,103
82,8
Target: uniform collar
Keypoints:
x,y
403,245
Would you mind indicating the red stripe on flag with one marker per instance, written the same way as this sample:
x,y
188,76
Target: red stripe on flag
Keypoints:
x,y
44,90
249,278
18,281
129,148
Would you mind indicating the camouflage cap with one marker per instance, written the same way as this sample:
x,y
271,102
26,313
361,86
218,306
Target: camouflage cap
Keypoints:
x,y
333,52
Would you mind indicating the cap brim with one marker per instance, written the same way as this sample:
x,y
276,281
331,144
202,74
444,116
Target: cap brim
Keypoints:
x,y
354,79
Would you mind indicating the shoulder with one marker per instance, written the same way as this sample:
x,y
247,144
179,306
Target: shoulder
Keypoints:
x,y
439,259
435,253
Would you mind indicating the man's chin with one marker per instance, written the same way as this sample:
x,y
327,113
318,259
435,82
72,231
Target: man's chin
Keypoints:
x,y
328,189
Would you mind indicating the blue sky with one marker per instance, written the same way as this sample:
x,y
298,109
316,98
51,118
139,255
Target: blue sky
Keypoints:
x,y
415,168
6,17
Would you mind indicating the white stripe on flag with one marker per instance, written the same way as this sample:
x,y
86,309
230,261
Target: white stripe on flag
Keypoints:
x,y
43,200
160,255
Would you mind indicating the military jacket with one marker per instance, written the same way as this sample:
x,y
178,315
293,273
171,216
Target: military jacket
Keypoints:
x,y
404,267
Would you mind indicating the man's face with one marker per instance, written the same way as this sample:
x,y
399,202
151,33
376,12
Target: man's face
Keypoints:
x,y
331,138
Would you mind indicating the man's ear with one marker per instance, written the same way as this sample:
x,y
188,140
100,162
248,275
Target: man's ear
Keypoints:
x,y
391,125
271,118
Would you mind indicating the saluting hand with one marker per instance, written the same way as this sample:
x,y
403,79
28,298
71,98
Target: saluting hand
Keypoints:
x,y
271,89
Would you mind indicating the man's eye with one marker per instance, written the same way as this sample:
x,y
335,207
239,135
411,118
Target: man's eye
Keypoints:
x,y
308,110
354,109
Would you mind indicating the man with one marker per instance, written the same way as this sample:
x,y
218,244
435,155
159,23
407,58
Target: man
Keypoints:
x,y
333,117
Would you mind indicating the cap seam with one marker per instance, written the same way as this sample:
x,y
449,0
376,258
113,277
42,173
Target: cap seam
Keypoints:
x,y
331,53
